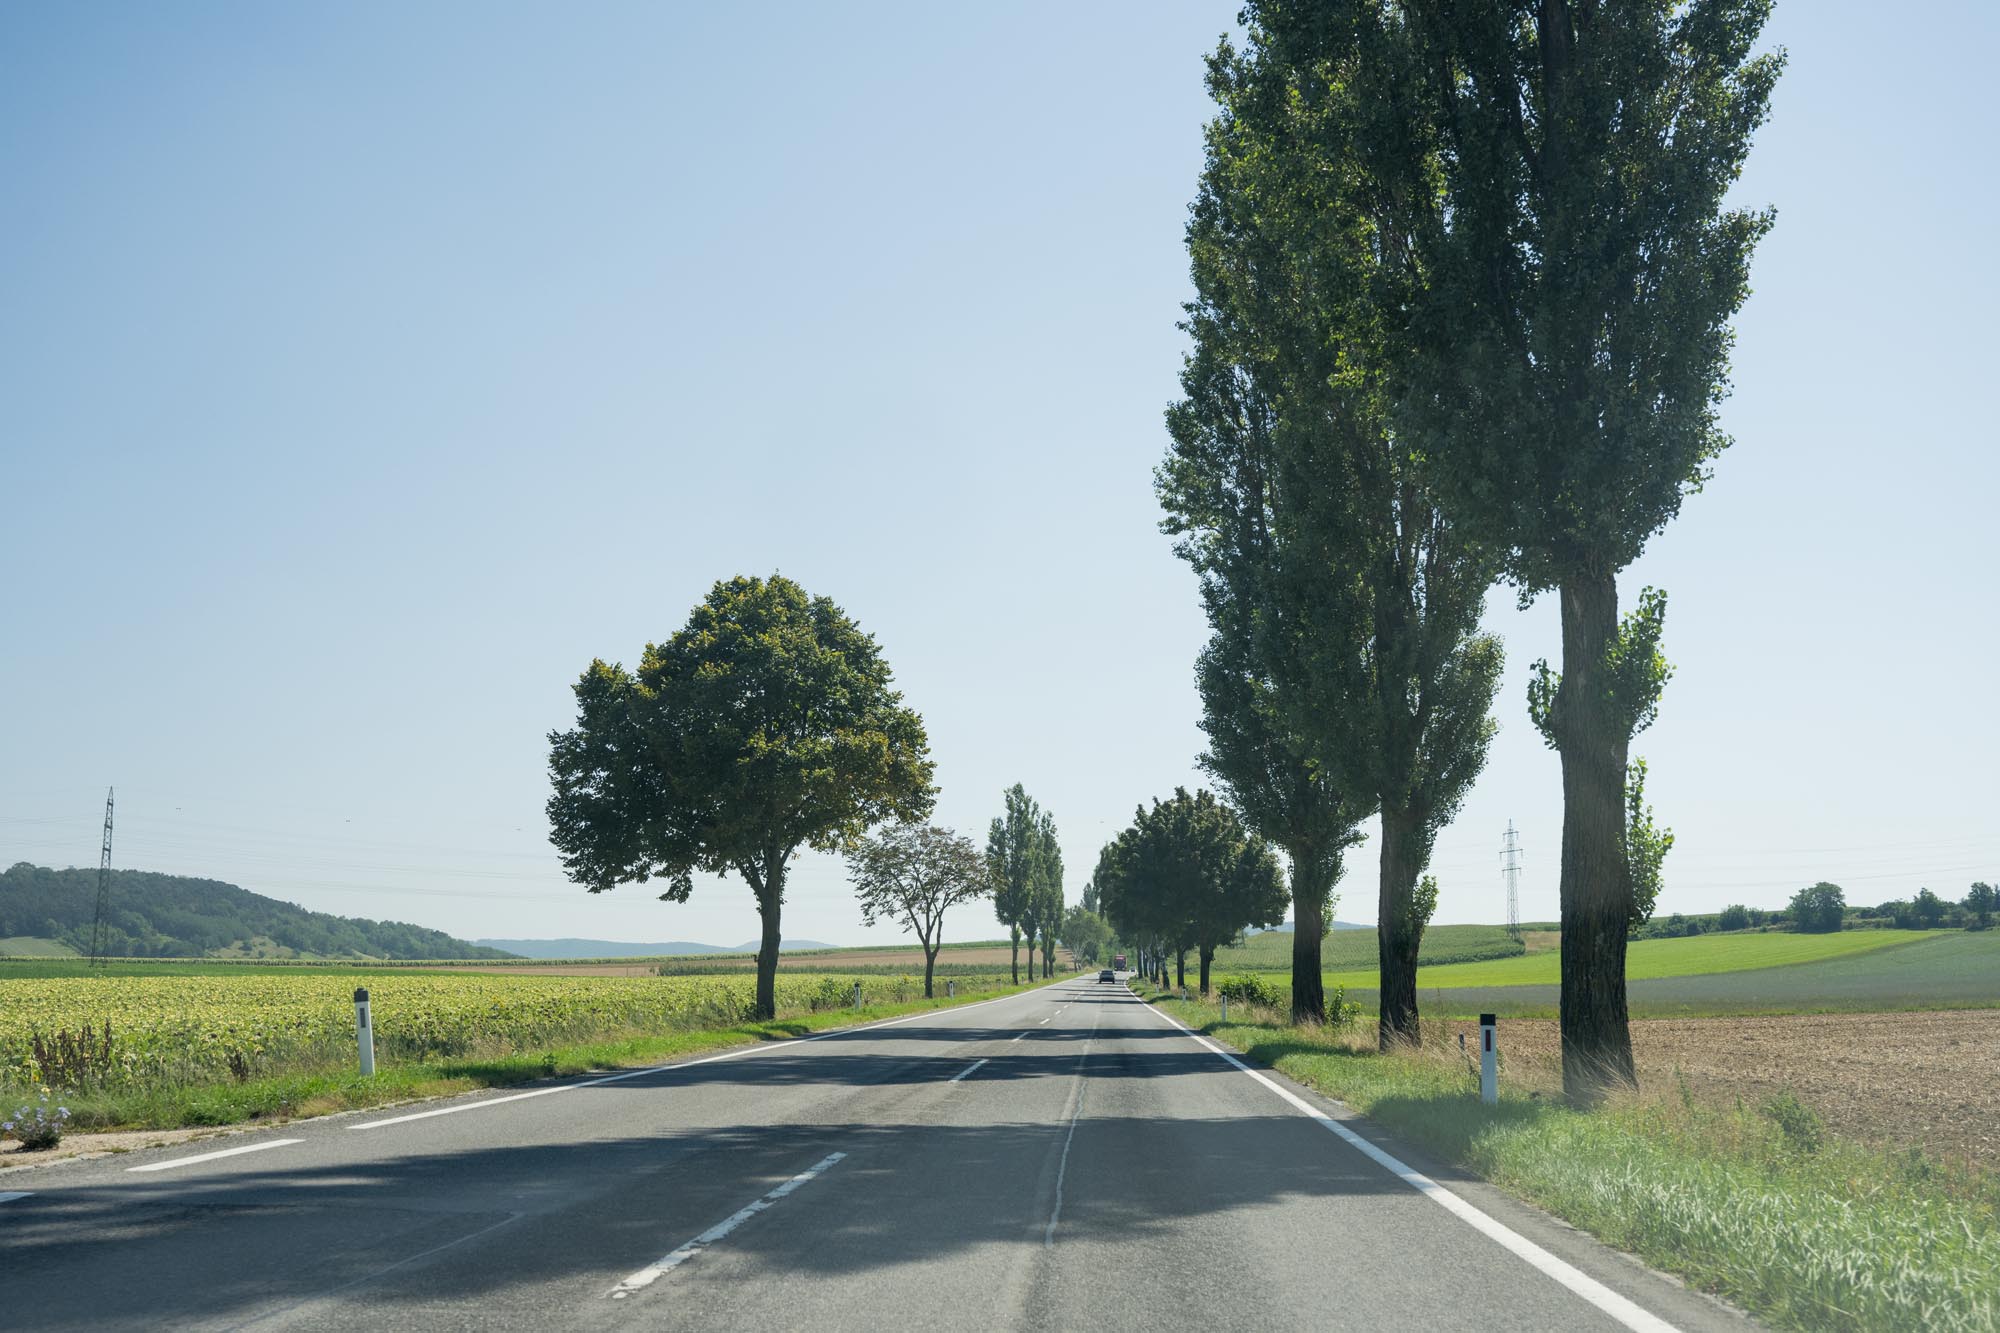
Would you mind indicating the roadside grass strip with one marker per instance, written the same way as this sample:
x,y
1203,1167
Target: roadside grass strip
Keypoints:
x,y
653,1272
215,1156
1756,1205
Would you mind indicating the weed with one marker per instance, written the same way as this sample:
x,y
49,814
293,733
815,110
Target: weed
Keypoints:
x,y
1799,1123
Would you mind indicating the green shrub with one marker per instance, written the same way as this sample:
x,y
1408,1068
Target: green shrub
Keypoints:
x,y
1799,1123
1252,990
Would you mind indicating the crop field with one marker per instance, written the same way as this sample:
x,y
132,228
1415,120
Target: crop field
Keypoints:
x,y
219,1023
1350,950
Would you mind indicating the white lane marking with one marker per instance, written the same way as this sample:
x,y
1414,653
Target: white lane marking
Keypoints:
x,y
1043,1021
963,1072
658,1269
8,1196
1015,1038
762,1049
212,1156
1627,1312
1076,1113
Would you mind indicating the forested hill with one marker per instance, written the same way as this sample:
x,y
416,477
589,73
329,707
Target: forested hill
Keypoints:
x,y
171,916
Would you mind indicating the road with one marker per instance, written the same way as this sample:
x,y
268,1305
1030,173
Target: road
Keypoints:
x,y
1063,1158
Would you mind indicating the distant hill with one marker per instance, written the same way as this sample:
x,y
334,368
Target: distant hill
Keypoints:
x,y
624,949
172,916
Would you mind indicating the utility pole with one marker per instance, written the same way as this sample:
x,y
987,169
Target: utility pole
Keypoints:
x,y
1510,874
103,887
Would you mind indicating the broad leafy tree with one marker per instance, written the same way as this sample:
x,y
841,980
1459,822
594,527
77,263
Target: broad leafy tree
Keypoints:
x,y
765,725
1085,934
1820,909
1980,901
1581,270
1189,874
1346,606
910,873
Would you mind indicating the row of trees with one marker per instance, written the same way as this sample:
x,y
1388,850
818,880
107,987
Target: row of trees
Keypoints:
x,y
766,725
1187,875
1823,908
1463,280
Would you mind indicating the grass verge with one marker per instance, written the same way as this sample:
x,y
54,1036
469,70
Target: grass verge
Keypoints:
x,y
1755,1204
301,1093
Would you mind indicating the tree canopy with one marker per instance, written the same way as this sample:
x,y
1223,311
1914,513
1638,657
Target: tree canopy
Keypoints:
x,y
910,873
765,725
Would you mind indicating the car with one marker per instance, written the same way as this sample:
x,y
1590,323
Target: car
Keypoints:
x,y
1107,975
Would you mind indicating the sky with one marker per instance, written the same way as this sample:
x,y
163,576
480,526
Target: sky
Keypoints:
x,y
365,371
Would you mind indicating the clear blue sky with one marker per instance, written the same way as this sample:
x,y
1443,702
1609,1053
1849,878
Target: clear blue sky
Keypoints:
x,y
367,370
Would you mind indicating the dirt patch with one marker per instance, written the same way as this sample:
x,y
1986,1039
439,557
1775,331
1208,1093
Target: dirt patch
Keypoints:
x,y
1924,1080
96,1145
1542,941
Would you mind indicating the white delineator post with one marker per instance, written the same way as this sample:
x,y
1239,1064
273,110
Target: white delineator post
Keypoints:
x,y
951,990
1489,1061
1225,1008
364,1032
857,995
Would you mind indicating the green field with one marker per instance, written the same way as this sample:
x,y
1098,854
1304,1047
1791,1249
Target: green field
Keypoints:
x,y
27,946
1346,950
1696,955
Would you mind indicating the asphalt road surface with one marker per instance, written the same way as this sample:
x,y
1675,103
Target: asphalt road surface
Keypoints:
x,y
1063,1158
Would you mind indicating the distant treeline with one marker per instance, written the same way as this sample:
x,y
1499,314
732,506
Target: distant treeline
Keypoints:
x,y
1824,907
171,916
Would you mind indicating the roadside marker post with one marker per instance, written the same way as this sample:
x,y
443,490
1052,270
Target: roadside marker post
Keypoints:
x,y
857,995
1489,1061
364,1032
951,990
1225,1008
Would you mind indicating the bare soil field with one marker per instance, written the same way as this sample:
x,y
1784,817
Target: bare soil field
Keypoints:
x,y
1925,1080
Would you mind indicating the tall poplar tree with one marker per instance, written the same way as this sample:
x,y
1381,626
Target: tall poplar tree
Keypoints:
x,y
1346,606
1013,853
1581,271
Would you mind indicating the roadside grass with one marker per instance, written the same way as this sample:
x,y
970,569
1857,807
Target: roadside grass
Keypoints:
x,y
1754,1203
301,1093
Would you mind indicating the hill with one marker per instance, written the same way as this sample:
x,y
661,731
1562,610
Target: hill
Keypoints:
x,y
571,948
172,916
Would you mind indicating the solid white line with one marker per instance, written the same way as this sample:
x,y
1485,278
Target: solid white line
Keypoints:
x,y
1625,1311
1076,1113
653,1272
963,1072
8,1196
761,1049
211,1156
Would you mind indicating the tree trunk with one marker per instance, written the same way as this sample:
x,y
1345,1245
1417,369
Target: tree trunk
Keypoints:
x,y
1207,957
1014,960
1596,881
1308,925
930,966
769,900
1397,935
1180,969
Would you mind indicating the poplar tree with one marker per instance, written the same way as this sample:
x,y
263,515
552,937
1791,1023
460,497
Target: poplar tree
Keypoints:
x,y
1013,852
1572,345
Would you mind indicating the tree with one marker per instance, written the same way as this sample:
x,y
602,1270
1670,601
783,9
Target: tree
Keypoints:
x,y
910,873
1572,340
1646,845
1818,910
1980,901
1928,909
1189,874
765,725
1048,895
1085,934
1013,852
1733,917
1346,607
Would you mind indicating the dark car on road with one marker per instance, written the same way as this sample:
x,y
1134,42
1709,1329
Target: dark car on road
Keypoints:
x,y
1107,975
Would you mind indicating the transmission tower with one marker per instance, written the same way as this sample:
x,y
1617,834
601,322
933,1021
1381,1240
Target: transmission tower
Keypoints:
x,y
97,940
1510,874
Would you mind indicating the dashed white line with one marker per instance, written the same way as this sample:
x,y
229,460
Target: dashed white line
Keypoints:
x,y
212,1156
658,1269
8,1196
1627,1312
963,1072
